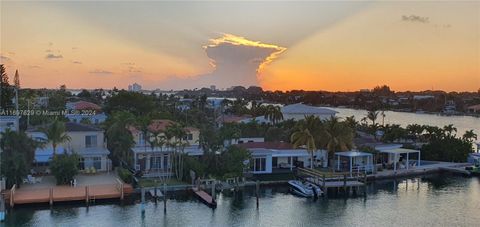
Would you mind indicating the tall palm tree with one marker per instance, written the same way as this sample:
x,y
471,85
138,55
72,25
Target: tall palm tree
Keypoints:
x,y
351,122
119,138
308,133
449,130
469,136
415,130
143,122
56,134
273,114
303,137
372,115
337,136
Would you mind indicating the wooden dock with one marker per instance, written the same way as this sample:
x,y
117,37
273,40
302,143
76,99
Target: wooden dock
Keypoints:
x,y
67,193
338,182
205,197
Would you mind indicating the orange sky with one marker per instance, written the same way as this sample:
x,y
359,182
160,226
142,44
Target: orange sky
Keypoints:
x,y
312,46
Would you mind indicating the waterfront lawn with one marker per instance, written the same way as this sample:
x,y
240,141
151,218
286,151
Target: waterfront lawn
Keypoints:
x,y
144,182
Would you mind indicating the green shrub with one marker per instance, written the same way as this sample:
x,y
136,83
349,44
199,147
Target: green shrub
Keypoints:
x,y
64,167
125,175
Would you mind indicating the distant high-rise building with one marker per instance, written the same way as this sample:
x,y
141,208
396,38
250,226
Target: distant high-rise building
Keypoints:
x,y
213,87
134,87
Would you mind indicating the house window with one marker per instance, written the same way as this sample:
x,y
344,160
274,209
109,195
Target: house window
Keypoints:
x,y
259,164
165,162
189,137
274,161
91,141
141,139
97,162
81,163
155,162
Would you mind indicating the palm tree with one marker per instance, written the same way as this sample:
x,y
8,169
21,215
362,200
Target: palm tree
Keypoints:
x,y
303,137
56,134
308,134
143,123
273,114
351,122
372,116
449,130
337,136
119,138
469,136
178,133
415,130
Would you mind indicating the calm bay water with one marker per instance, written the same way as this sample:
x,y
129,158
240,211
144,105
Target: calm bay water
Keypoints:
x,y
427,201
462,123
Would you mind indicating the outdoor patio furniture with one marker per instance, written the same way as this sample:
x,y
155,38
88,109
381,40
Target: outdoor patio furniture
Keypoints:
x,y
31,179
38,179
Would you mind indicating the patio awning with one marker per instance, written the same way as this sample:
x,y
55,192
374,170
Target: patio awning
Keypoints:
x,y
353,154
400,151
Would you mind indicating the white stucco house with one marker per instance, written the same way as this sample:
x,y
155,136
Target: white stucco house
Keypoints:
x,y
85,140
155,161
270,157
297,112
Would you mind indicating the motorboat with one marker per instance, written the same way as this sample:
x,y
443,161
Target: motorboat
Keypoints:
x,y
305,189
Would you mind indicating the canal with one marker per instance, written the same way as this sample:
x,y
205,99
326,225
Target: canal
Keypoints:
x,y
427,201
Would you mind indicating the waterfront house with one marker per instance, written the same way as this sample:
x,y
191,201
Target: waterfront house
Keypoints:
x,y
354,162
8,122
154,159
81,110
398,157
272,157
474,109
297,112
85,140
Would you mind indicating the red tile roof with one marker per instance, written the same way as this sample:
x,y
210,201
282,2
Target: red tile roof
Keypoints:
x,y
267,145
159,125
83,105
231,118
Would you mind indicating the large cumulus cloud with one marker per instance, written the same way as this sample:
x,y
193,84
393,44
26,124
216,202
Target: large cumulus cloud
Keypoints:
x,y
236,61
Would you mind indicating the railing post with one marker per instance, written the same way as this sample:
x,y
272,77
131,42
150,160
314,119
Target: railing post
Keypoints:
x,y
122,193
12,195
51,196
86,195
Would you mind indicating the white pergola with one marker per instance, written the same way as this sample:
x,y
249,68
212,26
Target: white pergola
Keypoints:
x,y
353,155
396,152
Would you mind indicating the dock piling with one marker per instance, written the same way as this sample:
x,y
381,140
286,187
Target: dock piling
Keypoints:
x,y
164,198
213,191
257,188
86,195
51,196
143,201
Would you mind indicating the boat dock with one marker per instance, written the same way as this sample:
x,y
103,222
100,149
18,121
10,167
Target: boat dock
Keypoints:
x,y
55,194
205,197
337,182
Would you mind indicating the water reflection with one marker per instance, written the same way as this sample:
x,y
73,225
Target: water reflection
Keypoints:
x,y
429,200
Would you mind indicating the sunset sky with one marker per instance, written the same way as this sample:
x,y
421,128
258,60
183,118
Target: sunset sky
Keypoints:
x,y
334,46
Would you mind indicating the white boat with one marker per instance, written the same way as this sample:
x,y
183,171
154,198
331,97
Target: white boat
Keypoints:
x,y
305,189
